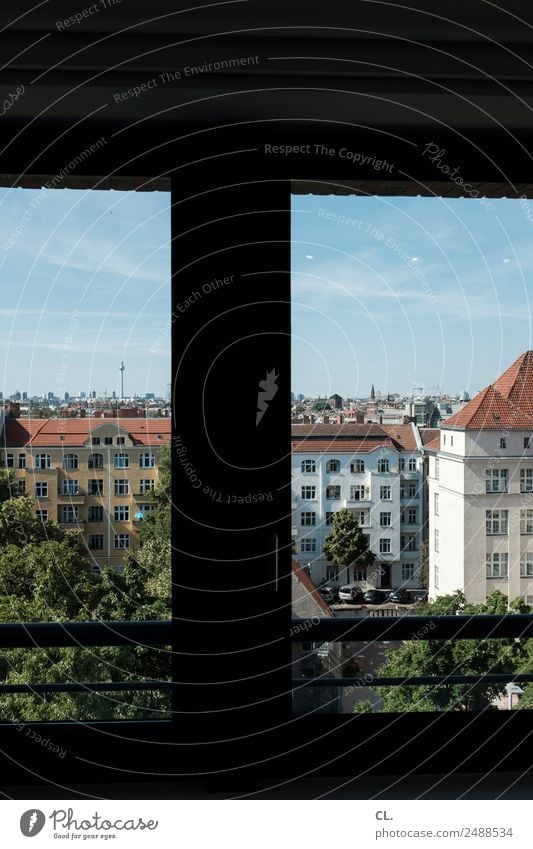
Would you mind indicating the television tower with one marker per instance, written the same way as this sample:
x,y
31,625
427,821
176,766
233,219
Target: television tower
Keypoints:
x,y
121,369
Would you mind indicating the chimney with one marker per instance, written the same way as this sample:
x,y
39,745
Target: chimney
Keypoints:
x,y
307,420
341,419
360,418
82,414
381,419
325,419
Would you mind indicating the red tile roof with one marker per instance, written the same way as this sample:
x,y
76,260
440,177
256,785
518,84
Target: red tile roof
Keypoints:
x,y
490,410
310,587
516,383
340,446
403,434
36,433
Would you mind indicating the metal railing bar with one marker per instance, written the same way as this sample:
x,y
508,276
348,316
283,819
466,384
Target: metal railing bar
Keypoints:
x,y
99,633
413,680
89,687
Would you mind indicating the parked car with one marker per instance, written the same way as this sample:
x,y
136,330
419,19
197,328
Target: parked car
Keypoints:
x,y
374,597
401,596
351,593
329,593
419,596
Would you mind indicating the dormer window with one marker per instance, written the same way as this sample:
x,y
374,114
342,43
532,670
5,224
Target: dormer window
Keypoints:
x,y
503,442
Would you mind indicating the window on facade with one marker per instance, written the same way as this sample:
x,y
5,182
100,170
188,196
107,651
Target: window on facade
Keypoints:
x,y
147,508
497,565
308,492
95,486
526,441
308,518
408,571
357,493
69,514
122,540
411,516
333,492
436,502
108,440
121,440
95,440
96,461
147,461
95,514
329,517
70,461
526,521
384,493
401,464
146,485
503,442
42,461
436,539
333,466
411,489
22,461
308,466
96,541
357,467
122,461
496,480
360,517
408,542
10,461
444,439
436,468
526,565
122,513
526,480
41,489
496,521
122,486
332,573
42,515
384,546
451,441
385,520
383,465
71,487
412,464
21,486
307,544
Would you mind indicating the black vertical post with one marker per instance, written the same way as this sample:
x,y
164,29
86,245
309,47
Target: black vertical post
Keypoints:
x,y
231,464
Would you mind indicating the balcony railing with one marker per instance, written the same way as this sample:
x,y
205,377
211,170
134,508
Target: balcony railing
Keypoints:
x,y
149,633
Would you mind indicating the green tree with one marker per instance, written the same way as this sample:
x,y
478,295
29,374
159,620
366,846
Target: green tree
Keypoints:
x,y
418,657
347,545
8,484
320,406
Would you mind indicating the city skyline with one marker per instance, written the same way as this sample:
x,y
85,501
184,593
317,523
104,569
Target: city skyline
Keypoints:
x,y
86,284
404,292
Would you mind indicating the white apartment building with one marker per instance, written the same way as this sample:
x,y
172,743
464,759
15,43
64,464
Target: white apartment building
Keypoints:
x,y
481,492
377,473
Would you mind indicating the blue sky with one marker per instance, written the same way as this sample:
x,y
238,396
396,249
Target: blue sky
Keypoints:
x,y
85,283
413,292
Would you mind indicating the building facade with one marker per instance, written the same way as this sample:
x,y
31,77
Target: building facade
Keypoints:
x,y
375,472
95,477
481,492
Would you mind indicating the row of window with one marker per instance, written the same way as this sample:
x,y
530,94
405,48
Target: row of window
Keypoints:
x,y
95,461
94,487
408,517
96,541
497,480
358,466
121,513
358,493
497,521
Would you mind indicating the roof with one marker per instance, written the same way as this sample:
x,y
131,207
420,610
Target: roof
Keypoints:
x,y
403,434
516,383
306,599
339,446
429,435
37,433
350,438
490,410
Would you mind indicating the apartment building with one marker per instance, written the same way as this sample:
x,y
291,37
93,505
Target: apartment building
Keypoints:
x,y
377,472
93,476
481,492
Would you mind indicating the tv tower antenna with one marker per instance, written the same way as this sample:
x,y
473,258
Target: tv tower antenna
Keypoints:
x,y
121,369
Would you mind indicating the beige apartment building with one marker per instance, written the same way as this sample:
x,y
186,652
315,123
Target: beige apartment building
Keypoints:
x,y
95,476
